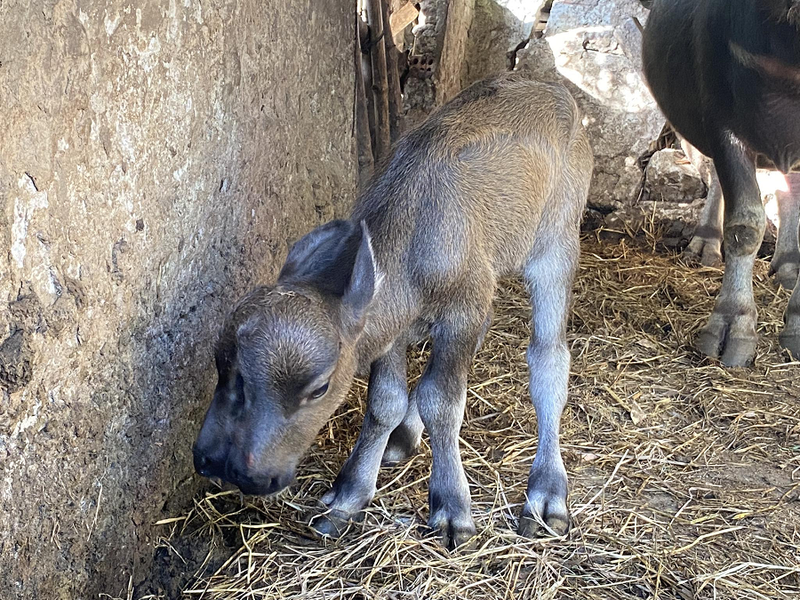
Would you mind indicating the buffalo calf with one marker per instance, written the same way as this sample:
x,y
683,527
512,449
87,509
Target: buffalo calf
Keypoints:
x,y
493,183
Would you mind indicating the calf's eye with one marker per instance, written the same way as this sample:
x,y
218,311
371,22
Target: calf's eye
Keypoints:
x,y
319,392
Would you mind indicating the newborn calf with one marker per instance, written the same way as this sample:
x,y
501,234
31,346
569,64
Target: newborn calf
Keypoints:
x,y
493,183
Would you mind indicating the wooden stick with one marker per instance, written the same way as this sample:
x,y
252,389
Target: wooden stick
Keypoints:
x,y
366,77
380,86
362,124
393,79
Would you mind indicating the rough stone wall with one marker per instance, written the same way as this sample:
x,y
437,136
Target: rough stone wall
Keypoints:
x,y
499,29
494,31
155,158
596,47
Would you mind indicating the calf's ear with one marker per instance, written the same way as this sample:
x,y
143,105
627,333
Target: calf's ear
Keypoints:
x,y
337,259
312,254
364,278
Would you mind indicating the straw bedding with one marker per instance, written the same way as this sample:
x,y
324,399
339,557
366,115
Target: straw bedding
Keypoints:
x,y
685,476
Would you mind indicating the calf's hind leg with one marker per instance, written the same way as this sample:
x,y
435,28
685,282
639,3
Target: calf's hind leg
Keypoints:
x,y
786,261
404,441
441,396
705,246
790,209
549,274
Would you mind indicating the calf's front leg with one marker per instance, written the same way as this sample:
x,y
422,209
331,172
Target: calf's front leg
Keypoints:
x,y
354,488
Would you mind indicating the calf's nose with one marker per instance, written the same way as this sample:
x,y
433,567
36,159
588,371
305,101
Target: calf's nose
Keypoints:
x,y
204,465
201,464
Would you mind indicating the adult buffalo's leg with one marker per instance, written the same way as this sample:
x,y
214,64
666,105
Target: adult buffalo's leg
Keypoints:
x,y
705,246
786,261
789,206
730,333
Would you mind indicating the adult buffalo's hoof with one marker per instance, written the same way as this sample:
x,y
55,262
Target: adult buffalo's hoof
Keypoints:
x,y
455,531
731,338
334,523
784,274
731,352
791,342
705,251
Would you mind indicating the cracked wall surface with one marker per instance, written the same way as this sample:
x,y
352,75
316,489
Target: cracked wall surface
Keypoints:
x,y
156,158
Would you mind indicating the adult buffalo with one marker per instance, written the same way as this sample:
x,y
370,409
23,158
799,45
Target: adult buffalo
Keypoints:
x,y
726,73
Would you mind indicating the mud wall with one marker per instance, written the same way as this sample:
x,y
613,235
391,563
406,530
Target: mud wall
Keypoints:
x,y
155,158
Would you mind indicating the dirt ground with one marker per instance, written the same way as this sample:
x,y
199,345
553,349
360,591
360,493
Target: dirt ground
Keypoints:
x,y
685,476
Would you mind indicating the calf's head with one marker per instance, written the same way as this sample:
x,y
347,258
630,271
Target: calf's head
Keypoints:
x,y
285,360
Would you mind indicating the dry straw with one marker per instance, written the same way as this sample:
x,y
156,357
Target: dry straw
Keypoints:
x,y
684,475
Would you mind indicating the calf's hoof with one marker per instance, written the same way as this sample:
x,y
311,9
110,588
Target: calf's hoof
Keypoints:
x,y
334,523
532,527
450,516
545,512
704,251
455,531
343,503
785,275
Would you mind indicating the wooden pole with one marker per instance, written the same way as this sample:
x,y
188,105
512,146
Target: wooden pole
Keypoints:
x,y
366,77
393,77
380,86
363,141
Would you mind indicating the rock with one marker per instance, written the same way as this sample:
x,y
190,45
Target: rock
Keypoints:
x,y
498,28
671,177
595,46
671,223
156,161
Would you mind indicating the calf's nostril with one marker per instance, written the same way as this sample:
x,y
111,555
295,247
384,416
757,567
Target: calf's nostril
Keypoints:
x,y
201,464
